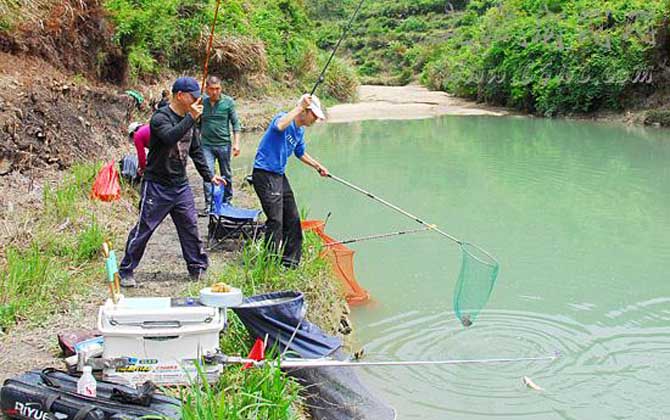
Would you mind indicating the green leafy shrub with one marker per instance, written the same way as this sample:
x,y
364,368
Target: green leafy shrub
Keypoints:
x,y
548,57
658,116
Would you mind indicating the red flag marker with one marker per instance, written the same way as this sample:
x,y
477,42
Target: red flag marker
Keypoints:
x,y
257,353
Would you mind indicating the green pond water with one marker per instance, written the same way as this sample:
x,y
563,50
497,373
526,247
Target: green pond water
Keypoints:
x,y
577,213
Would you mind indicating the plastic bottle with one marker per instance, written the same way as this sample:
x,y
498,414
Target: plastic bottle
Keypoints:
x,y
86,385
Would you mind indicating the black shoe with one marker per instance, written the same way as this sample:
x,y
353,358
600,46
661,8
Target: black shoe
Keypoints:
x,y
196,275
289,264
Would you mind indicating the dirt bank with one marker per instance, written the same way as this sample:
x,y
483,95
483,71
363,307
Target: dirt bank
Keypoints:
x,y
404,103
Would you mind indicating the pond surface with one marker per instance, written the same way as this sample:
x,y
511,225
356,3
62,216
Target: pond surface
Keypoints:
x,y
578,215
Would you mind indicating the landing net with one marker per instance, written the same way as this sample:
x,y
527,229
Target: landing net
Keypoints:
x,y
479,271
341,259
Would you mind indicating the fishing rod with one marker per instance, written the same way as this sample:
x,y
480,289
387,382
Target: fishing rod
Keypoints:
x,y
379,236
209,45
344,32
314,363
394,207
429,226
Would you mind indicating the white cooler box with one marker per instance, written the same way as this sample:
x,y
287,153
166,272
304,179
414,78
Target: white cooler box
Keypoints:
x,y
161,337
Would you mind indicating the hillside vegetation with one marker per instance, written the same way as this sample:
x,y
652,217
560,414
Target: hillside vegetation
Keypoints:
x,y
542,56
260,46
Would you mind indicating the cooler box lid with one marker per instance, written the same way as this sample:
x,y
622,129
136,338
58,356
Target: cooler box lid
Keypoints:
x,y
158,312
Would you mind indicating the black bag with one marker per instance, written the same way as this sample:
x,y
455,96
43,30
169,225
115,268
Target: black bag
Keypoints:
x,y
52,395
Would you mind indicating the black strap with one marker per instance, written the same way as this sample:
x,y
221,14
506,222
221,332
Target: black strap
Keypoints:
x,y
50,382
83,412
49,402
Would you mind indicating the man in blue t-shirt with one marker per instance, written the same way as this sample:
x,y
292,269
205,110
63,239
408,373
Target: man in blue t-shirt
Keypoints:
x,y
284,136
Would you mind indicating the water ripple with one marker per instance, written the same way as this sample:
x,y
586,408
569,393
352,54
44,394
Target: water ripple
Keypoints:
x,y
597,364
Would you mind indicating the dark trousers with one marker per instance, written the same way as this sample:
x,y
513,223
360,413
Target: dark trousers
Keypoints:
x,y
221,154
282,228
157,201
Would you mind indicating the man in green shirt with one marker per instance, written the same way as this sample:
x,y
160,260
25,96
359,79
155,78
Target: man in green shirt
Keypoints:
x,y
218,117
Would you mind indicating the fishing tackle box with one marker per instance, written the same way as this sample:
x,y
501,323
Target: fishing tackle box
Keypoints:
x,y
160,338
51,394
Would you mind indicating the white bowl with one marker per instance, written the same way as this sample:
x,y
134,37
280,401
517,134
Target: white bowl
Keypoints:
x,y
220,300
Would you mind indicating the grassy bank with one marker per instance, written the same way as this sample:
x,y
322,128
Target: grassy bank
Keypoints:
x,y
54,256
265,393
54,264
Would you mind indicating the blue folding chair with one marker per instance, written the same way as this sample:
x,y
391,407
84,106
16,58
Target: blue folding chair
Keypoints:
x,y
227,222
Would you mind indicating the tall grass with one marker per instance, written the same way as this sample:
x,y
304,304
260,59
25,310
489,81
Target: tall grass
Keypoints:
x,y
29,283
264,393
257,393
39,277
89,242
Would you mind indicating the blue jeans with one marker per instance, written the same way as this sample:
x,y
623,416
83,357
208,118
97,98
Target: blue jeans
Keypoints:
x,y
222,154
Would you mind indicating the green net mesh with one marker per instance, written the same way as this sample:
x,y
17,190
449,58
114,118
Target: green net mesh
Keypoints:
x,y
479,271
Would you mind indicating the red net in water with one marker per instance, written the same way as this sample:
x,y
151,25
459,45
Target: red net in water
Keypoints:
x,y
341,259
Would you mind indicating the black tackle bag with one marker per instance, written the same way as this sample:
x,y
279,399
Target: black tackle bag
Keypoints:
x,y
52,395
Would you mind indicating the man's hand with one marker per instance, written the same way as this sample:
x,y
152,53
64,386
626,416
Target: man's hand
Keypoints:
x,y
305,101
196,109
218,180
236,150
322,170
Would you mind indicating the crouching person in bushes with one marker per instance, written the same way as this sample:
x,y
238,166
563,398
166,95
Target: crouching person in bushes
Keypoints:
x,y
165,188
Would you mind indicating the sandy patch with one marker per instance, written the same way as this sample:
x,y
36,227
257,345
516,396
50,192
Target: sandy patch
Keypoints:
x,y
405,102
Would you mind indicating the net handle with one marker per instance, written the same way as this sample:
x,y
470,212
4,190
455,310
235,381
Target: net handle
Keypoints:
x,y
378,236
396,208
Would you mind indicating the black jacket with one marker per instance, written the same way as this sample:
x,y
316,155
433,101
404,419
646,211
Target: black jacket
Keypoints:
x,y
172,141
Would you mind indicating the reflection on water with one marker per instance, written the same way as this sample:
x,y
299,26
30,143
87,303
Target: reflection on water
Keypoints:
x,y
576,213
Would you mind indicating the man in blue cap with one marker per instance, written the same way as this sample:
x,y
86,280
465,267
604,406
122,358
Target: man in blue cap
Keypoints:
x,y
284,137
165,189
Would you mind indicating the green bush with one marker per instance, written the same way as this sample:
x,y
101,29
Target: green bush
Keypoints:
x,y
167,33
658,116
384,32
544,56
548,57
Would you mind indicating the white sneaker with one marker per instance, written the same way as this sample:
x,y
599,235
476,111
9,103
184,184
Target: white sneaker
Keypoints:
x,y
128,281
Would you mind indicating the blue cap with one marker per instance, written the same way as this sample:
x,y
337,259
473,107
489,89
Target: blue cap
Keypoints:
x,y
187,84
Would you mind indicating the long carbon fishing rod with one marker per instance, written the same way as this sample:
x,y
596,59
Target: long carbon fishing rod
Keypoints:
x,y
411,216
209,44
379,236
314,363
332,54
394,207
